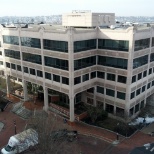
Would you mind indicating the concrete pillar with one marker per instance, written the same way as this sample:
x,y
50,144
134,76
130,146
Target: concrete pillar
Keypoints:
x,y
46,101
95,103
25,90
8,90
71,103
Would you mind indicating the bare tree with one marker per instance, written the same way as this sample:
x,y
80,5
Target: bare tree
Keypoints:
x,y
93,112
52,133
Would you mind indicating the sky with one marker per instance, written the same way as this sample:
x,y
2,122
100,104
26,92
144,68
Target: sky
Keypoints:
x,y
57,7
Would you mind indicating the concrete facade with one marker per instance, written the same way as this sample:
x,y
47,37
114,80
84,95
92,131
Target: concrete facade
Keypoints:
x,y
71,35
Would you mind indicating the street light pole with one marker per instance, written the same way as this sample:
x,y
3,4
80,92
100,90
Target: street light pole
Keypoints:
x,y
15,131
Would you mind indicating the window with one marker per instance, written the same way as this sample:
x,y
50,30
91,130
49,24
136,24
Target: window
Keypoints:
x,y
109,108
60,46
19,68
143,88
142,44
138,62
118,45
91,90
7,64
1,62
39,73
65,80
150,71
139,76
56,78
134,79
12,54
0,52
110,92
122,79
84,45
11,39
32,71
26,70
56,63
132,95
153,83
32,58
13,66
100,90
142,104
138,91
93,75
151,57
77,80
100,75
152,41
149,85
47,75
84,62
111,77
30,42
137,108
144,73
121,95
85,77
112,62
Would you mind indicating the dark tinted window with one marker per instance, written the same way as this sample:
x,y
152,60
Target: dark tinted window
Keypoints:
x,y
56,78
32,71
65,80
119,45
142,44
110,92
77,80
100,74
138,62
85,77
30,42
122,79
60,46
112,62
84,45
47,75
100,90
11,39
121,95
111,77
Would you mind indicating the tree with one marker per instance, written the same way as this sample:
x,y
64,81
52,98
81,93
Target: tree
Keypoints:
x,y
52,133
94,112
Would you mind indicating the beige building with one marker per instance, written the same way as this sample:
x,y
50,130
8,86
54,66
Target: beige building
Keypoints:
x,y
89,63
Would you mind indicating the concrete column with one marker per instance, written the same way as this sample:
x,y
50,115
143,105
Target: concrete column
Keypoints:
x,y
46,101
95,96
8,90
71,103
25,90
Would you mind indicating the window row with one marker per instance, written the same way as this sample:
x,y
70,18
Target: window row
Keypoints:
x,y
112,62
84,45
142,75
111,92
98,74
38,73
141,90
119,45
136,108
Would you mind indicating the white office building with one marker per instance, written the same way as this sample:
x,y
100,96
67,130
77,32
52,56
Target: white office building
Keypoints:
x,y
84,60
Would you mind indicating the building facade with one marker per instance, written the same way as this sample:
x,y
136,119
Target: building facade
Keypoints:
x,y
112,68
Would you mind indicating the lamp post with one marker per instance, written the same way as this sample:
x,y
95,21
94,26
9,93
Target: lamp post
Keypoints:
x,y
15,131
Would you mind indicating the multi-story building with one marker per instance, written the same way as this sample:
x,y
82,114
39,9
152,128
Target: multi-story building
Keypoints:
x,y
84,60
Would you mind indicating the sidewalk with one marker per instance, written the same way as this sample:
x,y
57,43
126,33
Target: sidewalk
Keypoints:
x,y
124,147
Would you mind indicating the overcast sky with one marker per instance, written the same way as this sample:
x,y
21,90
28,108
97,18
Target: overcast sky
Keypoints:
x,y
54,7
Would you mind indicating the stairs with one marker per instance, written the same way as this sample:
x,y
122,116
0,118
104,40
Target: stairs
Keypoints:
x,y
21,111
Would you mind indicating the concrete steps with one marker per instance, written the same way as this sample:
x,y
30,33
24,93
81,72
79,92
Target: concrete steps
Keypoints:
x,y
20,110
